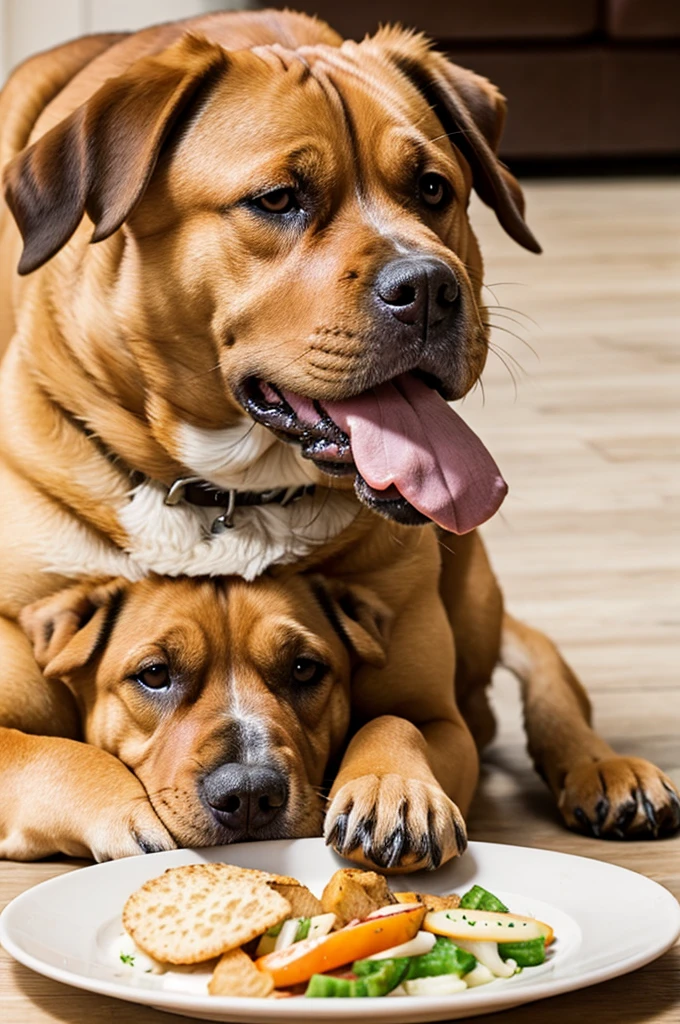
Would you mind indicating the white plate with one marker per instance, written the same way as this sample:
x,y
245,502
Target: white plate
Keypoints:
x,y
607,920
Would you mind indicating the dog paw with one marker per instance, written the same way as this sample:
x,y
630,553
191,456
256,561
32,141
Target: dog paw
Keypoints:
x,y
620,798
394,823
132,830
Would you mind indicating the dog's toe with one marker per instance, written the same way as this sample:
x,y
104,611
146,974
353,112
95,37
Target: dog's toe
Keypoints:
x,y
394,823
620,798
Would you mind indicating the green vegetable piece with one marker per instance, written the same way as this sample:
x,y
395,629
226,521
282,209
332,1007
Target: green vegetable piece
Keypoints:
x,y
127,958
530,953
274,930
376,980
303,929
445,957
478,898
324,986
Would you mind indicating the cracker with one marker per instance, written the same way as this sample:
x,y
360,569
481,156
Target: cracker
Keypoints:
x,y
429,900
236,975
199,911
303,902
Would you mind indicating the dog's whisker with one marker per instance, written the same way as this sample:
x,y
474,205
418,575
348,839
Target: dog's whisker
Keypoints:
x,y
499,348
506,330
508,368
519,312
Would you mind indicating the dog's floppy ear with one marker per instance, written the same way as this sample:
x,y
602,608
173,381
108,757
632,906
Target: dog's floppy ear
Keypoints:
x,y
472,111
100,159
69,627
361,620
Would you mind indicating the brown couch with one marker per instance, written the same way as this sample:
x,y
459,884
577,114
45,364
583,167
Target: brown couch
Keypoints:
x,y
584,78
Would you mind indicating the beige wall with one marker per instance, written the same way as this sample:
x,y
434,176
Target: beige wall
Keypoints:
x,y
27,26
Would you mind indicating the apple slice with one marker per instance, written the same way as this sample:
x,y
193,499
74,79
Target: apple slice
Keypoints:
x,y
485,926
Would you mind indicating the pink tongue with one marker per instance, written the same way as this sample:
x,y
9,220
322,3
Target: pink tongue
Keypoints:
x,y
404,434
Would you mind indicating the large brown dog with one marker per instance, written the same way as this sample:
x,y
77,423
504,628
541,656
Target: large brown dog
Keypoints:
x,y
283,255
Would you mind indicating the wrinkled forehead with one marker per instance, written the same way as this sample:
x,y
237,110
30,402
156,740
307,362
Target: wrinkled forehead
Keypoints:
x,y
321,110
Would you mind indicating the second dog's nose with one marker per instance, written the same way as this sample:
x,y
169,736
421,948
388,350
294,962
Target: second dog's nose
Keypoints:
x,y
245,797
418,290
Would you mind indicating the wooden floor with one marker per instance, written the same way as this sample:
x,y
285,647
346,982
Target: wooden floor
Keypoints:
x,y
586,545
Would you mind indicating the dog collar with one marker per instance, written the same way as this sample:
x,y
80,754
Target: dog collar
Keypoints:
x,y
194,491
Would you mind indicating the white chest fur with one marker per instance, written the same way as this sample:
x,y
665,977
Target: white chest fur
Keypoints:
x,y
177,540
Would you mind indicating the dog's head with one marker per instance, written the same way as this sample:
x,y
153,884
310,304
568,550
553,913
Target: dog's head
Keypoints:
x,y
226,699
288,237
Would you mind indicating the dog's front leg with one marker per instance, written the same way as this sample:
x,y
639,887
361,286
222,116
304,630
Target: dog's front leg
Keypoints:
x,y
62,796
409,773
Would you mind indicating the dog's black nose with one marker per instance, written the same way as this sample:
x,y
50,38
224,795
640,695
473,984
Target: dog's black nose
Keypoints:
x,y
245,798
418,290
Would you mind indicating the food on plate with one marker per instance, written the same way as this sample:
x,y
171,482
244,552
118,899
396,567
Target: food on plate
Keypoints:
x,y
199,911
429,901
353,893
263,935
303,902
235,974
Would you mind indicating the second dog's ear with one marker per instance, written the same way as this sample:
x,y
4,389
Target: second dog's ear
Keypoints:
x,y
100,159
362,621
69,627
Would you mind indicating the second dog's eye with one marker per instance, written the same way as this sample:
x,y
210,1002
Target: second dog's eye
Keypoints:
x,y
281,200
307,671
154,677
435,191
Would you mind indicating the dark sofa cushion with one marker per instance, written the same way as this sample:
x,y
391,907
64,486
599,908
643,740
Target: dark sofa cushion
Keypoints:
x,y
643,19
552,98
462,20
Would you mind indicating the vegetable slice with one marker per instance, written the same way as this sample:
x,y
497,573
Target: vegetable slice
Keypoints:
x,y
481,975
444,958
441,985
478,898
385,976
485,926
353,942
525,954
487,954
419,945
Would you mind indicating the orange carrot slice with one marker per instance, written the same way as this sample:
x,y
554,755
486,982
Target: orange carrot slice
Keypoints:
x,y
300,961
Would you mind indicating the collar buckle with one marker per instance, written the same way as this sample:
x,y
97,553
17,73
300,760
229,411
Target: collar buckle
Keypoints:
x,y
226,520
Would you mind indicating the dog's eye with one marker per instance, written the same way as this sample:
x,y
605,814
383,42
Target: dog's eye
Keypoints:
x,y
154,677
307,671
281,200
435,191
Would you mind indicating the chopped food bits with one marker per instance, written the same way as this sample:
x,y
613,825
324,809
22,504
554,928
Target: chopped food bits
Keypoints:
x,y
253,934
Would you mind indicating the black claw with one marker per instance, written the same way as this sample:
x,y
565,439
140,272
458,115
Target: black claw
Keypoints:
x,y
393,849
584,821
626,816
363,837
461,836
602,810
430,847
674,806
338,833
148,845
650,814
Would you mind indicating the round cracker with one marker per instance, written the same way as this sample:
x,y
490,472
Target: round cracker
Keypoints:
x,y
199,911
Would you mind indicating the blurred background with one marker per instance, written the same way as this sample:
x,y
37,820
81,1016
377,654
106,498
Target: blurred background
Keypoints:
x,y
585,79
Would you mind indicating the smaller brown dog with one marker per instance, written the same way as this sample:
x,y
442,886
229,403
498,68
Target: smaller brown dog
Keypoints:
x,y
210,712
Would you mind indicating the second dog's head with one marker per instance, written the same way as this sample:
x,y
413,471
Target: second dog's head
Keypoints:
x,y
226,699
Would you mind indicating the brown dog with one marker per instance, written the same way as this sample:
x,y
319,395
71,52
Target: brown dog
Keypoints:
x,y
283,255
227,701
